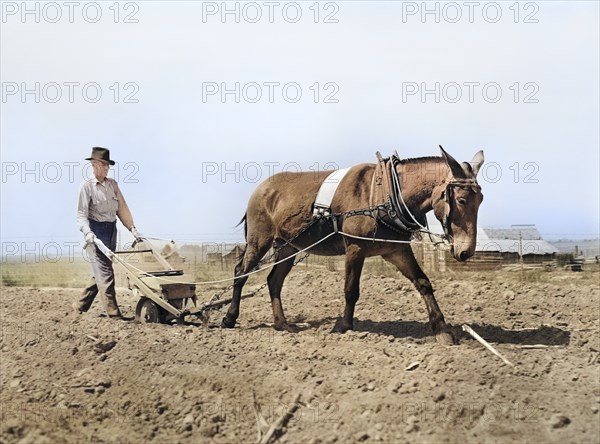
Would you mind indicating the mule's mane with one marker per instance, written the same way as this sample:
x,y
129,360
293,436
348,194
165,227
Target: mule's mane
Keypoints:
x,y
417,160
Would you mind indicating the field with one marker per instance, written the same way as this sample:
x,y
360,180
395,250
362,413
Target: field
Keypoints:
x,y
85,378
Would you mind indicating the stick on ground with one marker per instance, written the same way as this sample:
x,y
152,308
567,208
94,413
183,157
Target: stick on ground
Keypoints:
x,y
282,421
486,344
261,423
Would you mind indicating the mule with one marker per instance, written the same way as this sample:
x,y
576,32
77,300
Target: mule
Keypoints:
x,y
280,215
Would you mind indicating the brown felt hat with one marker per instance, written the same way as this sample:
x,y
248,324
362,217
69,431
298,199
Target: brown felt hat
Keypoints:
x,y
101,154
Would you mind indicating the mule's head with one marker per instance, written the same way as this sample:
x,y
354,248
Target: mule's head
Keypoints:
x,y
456,202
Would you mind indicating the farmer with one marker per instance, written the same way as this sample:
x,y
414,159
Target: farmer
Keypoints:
x,y
100,202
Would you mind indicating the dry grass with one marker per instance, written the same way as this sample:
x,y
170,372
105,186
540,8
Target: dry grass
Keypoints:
x,y
46,274
76,273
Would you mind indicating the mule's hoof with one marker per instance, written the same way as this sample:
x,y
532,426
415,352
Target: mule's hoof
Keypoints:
x,y
227,323
284,326
445,338
341,326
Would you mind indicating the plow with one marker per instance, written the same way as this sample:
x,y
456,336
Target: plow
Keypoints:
x,y
166,295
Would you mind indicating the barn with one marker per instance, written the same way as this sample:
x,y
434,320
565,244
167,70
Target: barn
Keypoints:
x,y
225,254
495,247
510,244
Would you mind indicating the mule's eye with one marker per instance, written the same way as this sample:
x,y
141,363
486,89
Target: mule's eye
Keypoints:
x,y
443,195
461,201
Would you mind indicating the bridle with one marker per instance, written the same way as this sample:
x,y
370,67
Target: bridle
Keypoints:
x,y
448,199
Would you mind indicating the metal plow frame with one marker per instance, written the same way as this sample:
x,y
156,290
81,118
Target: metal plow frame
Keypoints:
x,y
137,283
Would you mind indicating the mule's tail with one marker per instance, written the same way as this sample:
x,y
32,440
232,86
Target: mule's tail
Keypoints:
x,y
243,221
240,258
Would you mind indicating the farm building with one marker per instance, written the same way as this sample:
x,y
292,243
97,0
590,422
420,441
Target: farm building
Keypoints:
x,y
510,243
224,253
588,248
501,246
214,252
495,247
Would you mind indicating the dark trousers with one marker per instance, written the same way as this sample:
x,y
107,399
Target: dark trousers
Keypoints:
x,y
103,281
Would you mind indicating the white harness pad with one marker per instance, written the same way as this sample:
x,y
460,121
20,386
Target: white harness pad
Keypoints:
x,y
322,205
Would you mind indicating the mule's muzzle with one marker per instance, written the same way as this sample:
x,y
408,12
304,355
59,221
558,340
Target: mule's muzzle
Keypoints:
x,y
460,256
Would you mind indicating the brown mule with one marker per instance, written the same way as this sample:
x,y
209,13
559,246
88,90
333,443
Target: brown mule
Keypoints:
x,y
280,214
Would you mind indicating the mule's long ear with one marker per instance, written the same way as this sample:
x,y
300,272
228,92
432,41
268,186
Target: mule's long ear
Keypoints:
x,y
457,170
476,162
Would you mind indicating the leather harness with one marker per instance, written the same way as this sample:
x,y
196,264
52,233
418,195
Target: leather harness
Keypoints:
x,y
386,204
393,213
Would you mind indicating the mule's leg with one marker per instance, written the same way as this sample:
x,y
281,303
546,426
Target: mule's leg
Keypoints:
x,y
275,281
250,259
355,260
405,262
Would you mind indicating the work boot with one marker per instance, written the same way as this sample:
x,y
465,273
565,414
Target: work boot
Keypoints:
x,y
120,317
110,306
77,308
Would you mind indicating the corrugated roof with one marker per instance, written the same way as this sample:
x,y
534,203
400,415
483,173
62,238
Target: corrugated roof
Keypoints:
x,y
506,240
512,246
528,232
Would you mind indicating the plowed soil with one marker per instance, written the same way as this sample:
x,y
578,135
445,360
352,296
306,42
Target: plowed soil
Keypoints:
x,y
76,378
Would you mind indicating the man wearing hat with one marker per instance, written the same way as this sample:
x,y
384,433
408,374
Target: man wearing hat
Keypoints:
x,y
100,203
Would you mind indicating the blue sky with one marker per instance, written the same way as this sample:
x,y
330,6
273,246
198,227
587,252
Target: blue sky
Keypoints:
x,y
189,160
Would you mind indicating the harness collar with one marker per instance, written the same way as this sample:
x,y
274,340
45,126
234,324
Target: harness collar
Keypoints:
x,y
394,213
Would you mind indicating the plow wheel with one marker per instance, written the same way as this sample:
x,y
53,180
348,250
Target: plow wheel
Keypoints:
x,y
148,312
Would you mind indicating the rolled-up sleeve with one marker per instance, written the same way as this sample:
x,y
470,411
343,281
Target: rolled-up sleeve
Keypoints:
x,y
83,206
123,212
